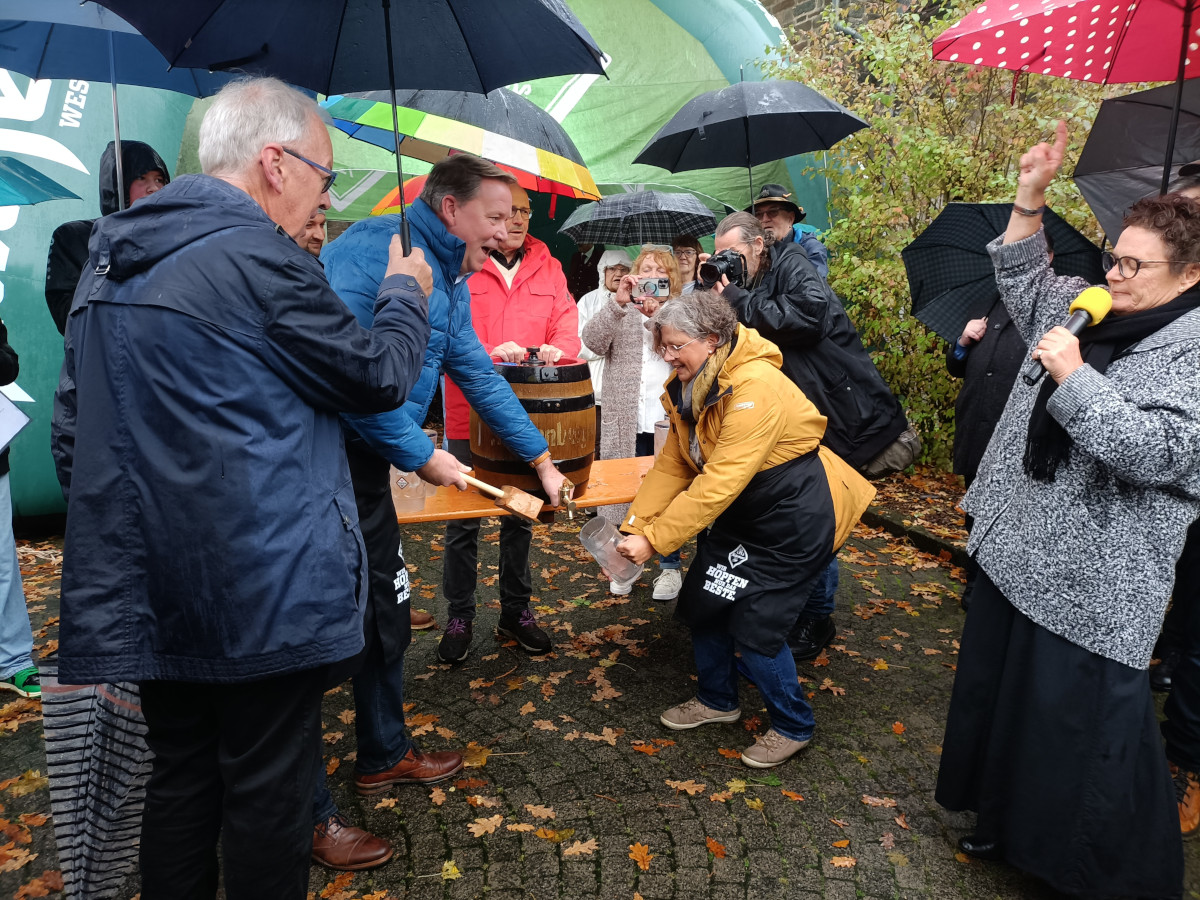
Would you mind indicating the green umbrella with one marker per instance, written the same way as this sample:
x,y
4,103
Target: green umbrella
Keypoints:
x,y
22,185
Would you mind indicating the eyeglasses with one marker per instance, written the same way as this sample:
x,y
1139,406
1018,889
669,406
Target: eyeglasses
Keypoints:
x,y
769,212
674,349
330,175
523,211
1129,267
685,253
665,248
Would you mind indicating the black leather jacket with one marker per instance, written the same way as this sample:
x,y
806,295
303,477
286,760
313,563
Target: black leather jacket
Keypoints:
x,y
822,353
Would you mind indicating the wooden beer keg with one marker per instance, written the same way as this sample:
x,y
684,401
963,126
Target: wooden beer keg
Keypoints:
x,y
559,401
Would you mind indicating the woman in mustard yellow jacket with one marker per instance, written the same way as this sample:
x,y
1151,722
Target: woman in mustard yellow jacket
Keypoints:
x,y
743,469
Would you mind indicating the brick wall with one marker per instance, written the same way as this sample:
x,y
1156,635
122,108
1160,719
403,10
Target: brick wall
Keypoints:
x,y
799,14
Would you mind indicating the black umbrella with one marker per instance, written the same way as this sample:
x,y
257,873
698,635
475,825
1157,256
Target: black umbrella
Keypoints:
x,y
1122,160
746,124
333,46
637,218
951,276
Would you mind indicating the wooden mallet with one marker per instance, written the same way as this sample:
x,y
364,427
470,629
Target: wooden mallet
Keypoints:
x,y
512,499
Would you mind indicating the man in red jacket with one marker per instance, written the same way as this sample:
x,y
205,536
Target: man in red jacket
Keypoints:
x,y
519,299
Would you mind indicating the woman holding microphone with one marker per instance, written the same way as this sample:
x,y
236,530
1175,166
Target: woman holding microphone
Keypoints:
x,y
1081,505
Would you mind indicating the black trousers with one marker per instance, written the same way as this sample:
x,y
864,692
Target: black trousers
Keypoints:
x,y
1181,628
238,762
460,559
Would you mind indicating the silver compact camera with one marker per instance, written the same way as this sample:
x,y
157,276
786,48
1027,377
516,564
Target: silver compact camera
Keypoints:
x,y
654,287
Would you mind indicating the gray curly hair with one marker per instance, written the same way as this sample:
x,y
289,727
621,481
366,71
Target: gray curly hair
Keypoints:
x,y
697,315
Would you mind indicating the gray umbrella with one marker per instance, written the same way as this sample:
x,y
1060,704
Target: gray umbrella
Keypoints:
x,y
638,218
1122,160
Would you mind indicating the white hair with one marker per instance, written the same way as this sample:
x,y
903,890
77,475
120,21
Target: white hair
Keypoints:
x,y
245,116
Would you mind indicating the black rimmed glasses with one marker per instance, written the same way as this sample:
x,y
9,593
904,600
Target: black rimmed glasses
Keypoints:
x,y
685,253
1128,266
330,175
674,349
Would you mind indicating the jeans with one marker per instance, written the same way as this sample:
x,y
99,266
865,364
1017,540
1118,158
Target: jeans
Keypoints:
x,y
716,671
822,600
234,762
16,637
645,447
460,559
379,725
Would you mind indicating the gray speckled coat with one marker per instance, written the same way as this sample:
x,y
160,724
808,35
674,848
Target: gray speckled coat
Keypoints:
x,y
1091,555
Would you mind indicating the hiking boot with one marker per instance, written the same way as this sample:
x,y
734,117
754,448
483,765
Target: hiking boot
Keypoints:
x,y
456,641
1187,796
692,714
27,682
667,584
525,632
811,636
339,845
772,749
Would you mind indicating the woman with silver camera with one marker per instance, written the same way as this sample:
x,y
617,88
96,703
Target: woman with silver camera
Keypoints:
x,y
633,378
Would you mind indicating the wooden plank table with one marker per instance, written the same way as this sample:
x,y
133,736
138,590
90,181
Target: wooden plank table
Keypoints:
x,y
611,481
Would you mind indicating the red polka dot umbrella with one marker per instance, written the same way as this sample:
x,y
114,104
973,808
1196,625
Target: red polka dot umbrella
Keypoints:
x,y
1100,41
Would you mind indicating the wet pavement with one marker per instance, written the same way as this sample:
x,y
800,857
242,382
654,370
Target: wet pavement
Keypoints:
x,y
575,789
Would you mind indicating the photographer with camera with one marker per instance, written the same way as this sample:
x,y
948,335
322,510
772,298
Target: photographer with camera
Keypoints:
x,y
774,289
634,375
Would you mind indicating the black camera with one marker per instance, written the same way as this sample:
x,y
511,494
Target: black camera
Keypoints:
x,y
654,287
729,263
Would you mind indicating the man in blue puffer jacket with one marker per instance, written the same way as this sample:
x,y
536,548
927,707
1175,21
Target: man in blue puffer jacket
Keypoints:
x,y
212,548
460,217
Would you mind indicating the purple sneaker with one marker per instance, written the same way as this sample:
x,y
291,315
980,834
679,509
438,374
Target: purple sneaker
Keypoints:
x,y
456,641
525,632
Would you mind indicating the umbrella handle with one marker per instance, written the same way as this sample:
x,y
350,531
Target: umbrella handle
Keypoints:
x,y
405,240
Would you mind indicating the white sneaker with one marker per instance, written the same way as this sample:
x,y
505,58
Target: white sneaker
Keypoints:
x,y
667,584
620,588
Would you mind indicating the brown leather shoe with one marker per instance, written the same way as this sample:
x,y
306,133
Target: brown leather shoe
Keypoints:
x,y
339,845
415,768
419,619
1187,794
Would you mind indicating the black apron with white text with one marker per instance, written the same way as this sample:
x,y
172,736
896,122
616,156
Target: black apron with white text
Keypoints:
x,y
756,564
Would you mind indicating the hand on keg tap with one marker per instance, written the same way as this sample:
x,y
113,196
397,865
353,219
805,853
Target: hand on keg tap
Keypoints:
x,y
552,480
444,470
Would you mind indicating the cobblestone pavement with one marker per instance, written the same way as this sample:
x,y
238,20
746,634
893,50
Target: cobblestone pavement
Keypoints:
x,y
576,790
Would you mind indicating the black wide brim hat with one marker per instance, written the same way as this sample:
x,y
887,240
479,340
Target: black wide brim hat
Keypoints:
x,y
774,193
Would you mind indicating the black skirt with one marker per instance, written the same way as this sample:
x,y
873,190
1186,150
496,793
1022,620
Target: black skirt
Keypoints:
x,y
1058,751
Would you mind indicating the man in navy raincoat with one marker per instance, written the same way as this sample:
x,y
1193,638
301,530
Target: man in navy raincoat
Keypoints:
x,y
212,548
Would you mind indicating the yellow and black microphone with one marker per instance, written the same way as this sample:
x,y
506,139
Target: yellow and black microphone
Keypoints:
x,y
1089,308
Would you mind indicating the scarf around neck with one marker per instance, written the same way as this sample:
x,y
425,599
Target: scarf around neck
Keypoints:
x,y
1047,443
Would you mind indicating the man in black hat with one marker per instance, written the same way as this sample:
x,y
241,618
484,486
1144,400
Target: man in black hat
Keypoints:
x,y
777,214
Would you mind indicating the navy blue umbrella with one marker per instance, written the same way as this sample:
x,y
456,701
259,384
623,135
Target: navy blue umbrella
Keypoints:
x,y
333,46
81,40
69,39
